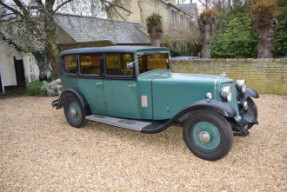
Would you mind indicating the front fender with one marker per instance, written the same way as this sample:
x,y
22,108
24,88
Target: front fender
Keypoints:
x,y
248,93
221,107
218,106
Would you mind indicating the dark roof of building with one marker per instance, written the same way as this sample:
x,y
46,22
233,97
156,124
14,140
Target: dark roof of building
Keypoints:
x,y
115,49
190,8
85,29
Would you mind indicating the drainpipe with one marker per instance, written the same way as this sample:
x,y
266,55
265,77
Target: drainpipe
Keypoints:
x,y
1,72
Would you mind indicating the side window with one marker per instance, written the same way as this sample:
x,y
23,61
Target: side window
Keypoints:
x,y
116,64
153,61
70,64
90,64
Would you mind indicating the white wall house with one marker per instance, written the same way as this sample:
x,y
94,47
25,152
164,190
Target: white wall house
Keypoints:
x,y
16,68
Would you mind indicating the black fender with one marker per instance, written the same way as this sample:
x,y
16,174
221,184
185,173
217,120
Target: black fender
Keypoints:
x,y
221,107
248,93
60,102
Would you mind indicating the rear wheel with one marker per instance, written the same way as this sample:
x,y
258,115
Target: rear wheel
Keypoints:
x,y
74,112
208,134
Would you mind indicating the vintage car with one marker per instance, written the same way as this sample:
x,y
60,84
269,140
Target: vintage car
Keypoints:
x,y
133,87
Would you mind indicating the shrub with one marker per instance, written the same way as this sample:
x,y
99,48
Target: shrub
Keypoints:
x,y
34,89
50,88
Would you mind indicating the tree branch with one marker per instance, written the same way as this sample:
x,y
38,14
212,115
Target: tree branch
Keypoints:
x,y
16,12
61,5
22,7
118,6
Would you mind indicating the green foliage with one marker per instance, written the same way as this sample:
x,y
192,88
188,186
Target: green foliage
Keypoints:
x,y
236,35
189,43
280,42
34,89
153,22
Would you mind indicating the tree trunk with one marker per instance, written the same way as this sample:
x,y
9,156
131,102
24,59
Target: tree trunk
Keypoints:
x,y
206,25
266,37
155,37
51,45
206,41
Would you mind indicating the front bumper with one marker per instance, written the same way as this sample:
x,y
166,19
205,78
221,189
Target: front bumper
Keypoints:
x,y
247,118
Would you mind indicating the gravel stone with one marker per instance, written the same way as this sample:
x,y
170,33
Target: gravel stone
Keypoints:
x,y
41,152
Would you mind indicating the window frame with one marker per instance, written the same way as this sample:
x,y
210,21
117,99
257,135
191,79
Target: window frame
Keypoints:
x,y
119,77
62,63
90,75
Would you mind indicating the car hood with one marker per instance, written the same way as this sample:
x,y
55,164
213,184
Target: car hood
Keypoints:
x,y
164,75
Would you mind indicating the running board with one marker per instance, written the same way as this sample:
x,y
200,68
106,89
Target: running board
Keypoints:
x,y
136,125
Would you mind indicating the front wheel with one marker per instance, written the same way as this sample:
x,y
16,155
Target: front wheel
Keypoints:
x,y
208,134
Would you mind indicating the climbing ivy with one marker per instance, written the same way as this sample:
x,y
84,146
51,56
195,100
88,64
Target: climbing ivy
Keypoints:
x,y
42,61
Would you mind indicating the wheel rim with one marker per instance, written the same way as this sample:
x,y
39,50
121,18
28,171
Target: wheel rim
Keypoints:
x,y
74,112
206,135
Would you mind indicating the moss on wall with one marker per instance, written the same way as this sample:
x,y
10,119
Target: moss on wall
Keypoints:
x,y
264,75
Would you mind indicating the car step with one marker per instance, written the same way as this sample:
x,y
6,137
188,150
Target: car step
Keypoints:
x,y
136,125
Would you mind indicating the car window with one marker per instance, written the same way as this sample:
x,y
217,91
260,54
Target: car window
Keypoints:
x,y
90,64
153,61
70,64
116,64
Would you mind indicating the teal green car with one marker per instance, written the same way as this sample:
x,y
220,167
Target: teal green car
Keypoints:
x,y
133,87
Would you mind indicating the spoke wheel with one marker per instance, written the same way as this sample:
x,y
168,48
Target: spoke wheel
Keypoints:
x,y
208,134
74,112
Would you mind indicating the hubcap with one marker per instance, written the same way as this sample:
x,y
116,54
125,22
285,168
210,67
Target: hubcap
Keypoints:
x,y
204,137
73,112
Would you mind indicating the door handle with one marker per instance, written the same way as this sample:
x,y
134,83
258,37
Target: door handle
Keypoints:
x,y
132,85
99,83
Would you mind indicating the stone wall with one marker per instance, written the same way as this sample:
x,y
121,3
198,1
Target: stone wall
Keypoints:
x,y
264,75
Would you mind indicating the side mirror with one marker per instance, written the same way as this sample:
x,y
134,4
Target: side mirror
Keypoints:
x,y
130,65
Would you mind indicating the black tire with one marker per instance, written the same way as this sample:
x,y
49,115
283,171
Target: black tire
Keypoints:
x,y
219,131
74,112
252,106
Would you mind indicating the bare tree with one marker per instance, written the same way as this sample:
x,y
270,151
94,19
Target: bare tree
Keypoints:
x,y
36,24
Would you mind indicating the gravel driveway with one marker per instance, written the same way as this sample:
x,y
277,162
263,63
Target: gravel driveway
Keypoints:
x,y
41,152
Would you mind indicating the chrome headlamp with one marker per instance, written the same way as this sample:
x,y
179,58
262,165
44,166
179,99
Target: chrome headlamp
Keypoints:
x,y
226,93
241,85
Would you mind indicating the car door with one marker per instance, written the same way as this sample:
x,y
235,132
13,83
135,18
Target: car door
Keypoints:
x,y
120,86
90,82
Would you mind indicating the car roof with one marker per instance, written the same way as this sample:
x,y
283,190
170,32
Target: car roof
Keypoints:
x,y
114,49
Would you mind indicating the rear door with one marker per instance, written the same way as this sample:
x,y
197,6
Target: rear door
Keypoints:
x,y
120,86
90,82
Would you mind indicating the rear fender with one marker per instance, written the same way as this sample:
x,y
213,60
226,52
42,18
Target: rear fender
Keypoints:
x,y
76,93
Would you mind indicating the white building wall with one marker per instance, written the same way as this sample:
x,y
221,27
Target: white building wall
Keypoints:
x,y
7,66
32,71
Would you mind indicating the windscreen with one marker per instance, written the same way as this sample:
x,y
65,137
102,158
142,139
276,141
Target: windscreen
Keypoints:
x,y
153,61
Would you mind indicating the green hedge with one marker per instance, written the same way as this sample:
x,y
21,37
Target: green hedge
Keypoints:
x,y
34,89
